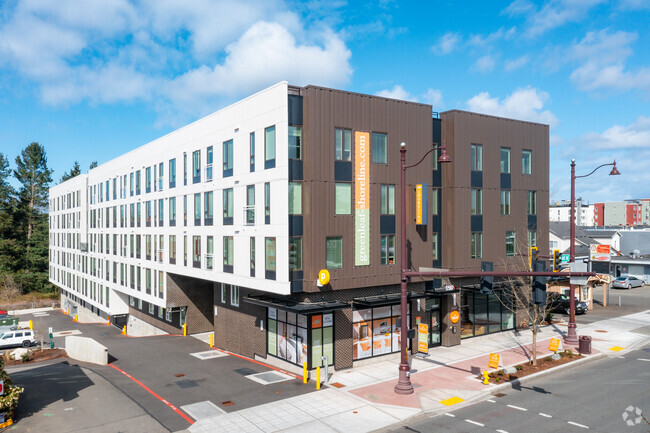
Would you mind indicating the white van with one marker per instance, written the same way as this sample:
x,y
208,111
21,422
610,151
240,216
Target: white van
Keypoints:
x,y
19,337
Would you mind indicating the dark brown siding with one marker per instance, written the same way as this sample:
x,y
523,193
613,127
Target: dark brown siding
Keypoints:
x,y
460,129
325,110
194,294
239,329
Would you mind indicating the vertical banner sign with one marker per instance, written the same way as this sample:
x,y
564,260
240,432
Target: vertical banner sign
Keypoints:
x,y
421,204
362,199
423,338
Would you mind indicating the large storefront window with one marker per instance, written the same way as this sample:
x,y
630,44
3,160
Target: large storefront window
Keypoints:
x,y
485,314
376,331
288,337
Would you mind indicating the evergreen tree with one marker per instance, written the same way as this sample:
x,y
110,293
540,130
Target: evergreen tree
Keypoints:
x,y
93,165
74,171
9,247
34,177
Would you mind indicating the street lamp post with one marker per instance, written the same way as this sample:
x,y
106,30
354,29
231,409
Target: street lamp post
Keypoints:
x,y
404,383
572,337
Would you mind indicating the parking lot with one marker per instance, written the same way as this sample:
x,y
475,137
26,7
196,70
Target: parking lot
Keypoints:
x,y
161,375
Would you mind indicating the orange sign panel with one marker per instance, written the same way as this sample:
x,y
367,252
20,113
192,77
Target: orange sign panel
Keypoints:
x,y
454,316
423,338
494,360
554,345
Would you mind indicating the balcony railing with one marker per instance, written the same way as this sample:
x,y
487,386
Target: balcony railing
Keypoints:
x,y
208,173
209,262
249,215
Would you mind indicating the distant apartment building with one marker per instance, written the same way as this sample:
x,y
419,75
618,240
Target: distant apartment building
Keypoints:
x,y
561,212
627,213
223,225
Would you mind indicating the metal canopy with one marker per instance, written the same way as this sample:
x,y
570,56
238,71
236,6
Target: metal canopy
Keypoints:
x,y
380,300
294,306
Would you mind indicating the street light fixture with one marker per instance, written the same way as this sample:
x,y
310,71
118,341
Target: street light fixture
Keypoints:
x,y
404,383
572,337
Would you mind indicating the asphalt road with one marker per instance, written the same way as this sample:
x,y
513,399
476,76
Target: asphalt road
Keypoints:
x,y
632,301
164,364
592,397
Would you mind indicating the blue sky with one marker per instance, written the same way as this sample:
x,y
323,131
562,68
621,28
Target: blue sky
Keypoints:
x,y
91,80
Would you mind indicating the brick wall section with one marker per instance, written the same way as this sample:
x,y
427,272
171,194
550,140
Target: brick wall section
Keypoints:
x,y
238,329
343,350
155,321
197,296
447,306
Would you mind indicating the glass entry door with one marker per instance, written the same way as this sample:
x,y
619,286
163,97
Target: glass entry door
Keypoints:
x,y
435,330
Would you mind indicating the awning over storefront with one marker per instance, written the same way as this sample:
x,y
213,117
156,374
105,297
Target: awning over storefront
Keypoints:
x,y
296,307
380,300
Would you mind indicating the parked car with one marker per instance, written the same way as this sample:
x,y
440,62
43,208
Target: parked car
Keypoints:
x,y
559,303
19,337
627,282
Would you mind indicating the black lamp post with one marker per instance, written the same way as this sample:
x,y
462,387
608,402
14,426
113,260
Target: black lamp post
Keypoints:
x,y
572,337
404,383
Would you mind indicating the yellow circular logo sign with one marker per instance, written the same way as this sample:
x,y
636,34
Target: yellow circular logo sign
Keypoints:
x,y
323,277
454,316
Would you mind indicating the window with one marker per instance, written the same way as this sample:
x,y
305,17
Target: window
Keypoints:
x,y
505,202
151,307
223,293
477,245
160,312
172,211
185,210
172,249
295,133
334,252
147,180
434,241
476,157
131,184
295,253
227,253
295,198
252,256
196,251
267,203
477,201
387,244
138,217
227,206
161,212
269,147
526,161
227,158
505,160
532,238
387,194
269,254
434,201
532,202
343,198
137,182
161,171
184,169
207,203
250,204
172,173
184,250
251,149
168,314
343,144
379,151
234,296
196,166
511,242
197,209
209,262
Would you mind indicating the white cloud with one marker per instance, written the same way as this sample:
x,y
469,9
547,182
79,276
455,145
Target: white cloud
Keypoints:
x,y
553,14
518,7
634,4
523,104
397,92
433,97
447,43
634,136
483,40
513,64
485,63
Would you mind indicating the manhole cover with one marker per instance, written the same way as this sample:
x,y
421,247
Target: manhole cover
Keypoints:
x,y
227,403
601,330
499,394
337,385
184,384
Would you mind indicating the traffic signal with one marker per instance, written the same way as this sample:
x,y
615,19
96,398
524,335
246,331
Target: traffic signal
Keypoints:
x,y
556,260
539,284
486,282
532,256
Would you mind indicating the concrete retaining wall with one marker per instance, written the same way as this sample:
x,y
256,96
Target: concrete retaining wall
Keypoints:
x,y
139,328
86,350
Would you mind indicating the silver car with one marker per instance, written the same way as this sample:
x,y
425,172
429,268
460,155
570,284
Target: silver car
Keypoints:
x,y
627,282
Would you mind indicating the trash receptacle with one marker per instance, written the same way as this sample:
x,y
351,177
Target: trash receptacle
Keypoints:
x,y
584,345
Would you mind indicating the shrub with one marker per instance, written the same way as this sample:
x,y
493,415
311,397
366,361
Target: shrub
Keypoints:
x,y
25,357
519,367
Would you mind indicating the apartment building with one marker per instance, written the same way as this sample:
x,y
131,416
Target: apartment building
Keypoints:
x,y
561,212
628,213
225,224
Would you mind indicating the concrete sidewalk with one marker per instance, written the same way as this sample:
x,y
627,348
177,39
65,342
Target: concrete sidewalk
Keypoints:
x,y
362,399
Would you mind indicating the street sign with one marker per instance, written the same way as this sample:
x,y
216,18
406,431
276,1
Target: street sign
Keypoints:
x,y
554,345
454,316
578,267
494,360
564,258
423,338
600,253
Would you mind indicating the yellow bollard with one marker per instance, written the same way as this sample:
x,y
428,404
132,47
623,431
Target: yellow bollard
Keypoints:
x,y
317,377
184,329
31,325
304,372
76,317
486,378
211,340
124,330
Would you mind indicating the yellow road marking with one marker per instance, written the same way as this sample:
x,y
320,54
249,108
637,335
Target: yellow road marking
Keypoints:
x,y
451,401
